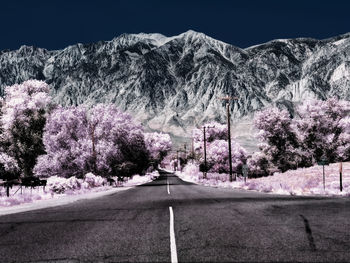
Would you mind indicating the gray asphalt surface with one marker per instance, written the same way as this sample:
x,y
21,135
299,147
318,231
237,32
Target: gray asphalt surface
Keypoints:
x,y
211,225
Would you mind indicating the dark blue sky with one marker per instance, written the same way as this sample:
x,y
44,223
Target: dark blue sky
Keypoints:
x,y
55,24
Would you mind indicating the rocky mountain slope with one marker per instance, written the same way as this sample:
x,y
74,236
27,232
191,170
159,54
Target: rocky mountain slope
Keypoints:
x,y
172,83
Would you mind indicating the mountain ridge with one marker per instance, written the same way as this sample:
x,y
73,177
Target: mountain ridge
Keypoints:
x,y
172,83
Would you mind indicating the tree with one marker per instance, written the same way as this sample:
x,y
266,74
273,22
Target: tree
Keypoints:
x,y
101,140
24,113
66,143
322,129
260,165
343,151
216,131
158,145
218,158
280,141
217,149
8,167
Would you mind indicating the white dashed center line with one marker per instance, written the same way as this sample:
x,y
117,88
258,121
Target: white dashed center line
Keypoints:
x,y
168,187
172,237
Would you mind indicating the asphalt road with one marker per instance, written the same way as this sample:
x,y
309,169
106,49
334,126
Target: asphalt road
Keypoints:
x,y
210,224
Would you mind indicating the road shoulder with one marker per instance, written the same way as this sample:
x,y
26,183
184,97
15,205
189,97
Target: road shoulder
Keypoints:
x,y
46,203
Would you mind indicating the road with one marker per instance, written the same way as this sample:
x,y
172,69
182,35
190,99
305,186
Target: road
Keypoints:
x,y
210,224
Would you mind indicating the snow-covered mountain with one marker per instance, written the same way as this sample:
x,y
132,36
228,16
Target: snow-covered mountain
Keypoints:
x,y
172,83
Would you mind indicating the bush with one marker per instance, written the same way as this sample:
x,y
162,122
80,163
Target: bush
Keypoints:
x,y
60,185
259,165
192,169
73,183
126,169
57,184
94,181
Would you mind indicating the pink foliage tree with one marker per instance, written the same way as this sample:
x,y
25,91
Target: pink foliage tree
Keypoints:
x,y
67,144
24,111
260,164
101,140
343,150
158,145
216,131
218,157
322,128
279,138
217,149
8,167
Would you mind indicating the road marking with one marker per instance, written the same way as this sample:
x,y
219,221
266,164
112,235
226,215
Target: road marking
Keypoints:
x,y
168,187
172,237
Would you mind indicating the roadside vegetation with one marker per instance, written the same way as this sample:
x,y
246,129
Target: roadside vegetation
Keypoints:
x,y
317,133
71,148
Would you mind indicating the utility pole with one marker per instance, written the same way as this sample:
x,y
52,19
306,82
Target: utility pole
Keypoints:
x,y
227,99
229,139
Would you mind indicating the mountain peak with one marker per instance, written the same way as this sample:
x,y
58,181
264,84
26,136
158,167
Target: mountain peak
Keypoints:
x,y
191,32
156,38
159,39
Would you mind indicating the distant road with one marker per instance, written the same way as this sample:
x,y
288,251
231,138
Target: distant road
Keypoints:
x,y
209,224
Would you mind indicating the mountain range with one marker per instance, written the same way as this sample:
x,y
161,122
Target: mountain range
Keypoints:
x,y
172,84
